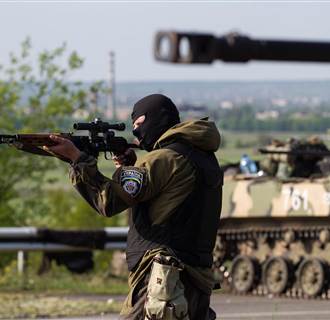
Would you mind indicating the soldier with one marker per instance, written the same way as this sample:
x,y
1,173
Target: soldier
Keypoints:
x,y
175,192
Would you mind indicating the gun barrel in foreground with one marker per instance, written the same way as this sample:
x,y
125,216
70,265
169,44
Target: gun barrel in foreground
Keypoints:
x,y
188,48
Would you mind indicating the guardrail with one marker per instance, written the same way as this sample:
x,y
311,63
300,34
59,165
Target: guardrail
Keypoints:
x,y
34,239
27,239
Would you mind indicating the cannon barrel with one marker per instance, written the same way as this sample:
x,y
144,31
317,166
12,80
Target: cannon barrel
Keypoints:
x,y
191,48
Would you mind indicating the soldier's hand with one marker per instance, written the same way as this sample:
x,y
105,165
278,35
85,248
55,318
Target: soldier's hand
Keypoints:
x,y
64,149
126,159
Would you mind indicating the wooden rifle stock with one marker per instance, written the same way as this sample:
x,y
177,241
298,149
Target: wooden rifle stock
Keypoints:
x,y
32,143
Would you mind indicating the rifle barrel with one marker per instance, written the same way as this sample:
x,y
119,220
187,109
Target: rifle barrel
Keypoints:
x,y
6,138
34,139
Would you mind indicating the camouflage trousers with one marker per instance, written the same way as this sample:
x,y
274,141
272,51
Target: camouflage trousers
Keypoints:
x,y
198,302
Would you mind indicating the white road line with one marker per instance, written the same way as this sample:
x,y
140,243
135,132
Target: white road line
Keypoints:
x,y
273,314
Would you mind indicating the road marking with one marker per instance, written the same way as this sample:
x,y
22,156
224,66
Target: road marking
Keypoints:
x,y
273,314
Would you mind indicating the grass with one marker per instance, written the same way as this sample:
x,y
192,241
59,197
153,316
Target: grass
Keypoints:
x,y
60,281
58,293
26,305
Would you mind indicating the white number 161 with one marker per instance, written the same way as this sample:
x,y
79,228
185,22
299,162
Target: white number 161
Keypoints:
x,y
295,199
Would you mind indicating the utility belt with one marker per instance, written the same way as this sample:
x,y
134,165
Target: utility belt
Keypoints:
x,y
165,291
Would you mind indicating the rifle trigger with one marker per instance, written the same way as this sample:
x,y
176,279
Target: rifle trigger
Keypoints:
x,y
106,157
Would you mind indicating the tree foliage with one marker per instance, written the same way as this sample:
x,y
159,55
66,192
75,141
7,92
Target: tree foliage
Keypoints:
x,y
36,95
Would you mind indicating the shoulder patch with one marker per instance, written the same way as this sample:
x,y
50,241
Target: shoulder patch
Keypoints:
x,y
131,180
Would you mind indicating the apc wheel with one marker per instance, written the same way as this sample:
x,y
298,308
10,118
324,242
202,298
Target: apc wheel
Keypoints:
x,y
312,276
276,275
244,273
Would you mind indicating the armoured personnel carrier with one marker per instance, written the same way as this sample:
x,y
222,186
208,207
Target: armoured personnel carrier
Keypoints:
x,y
274,234
275,224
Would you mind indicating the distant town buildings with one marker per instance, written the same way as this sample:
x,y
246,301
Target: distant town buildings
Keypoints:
x,y
198,99
267,115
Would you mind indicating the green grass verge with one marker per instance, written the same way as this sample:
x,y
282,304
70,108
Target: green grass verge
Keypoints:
x,y
58,293
60,281
25,305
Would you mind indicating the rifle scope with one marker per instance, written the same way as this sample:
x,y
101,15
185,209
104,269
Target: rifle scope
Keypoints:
x,y
98,126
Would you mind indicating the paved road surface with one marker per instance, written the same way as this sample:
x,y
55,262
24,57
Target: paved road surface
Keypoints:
x,y
263,308
230,307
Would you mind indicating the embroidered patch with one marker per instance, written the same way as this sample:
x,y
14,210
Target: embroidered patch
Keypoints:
x,y
131,181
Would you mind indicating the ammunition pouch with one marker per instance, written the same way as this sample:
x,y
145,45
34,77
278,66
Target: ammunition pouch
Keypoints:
x,y
165,291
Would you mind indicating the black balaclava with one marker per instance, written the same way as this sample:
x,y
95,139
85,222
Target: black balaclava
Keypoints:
x,y
161,114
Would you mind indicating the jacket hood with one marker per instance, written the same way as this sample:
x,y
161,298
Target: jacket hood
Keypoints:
x,y
202,134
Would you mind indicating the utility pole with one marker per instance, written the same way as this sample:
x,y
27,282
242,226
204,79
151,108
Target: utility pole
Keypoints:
x,y
112,112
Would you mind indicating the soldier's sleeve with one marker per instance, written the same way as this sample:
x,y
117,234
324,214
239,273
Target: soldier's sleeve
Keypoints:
x,y
94,187
129,184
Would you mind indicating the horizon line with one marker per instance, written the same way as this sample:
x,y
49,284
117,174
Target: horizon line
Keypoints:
x,y
209,80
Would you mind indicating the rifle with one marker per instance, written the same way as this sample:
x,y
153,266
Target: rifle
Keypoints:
x,y
101,138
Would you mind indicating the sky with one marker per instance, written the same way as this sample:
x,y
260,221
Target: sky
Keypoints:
x,y
128,28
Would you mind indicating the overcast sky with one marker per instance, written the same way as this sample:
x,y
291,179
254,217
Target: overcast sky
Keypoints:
x,y
128,28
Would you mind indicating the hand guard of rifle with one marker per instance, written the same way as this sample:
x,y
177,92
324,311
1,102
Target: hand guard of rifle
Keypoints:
x,y
101,138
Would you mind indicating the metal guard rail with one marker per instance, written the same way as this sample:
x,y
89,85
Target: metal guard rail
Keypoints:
x,y
34,239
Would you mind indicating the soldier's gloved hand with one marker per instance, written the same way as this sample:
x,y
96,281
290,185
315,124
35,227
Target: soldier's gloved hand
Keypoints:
x,y
126,159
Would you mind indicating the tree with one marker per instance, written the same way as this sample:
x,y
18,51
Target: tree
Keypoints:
x,y
35,96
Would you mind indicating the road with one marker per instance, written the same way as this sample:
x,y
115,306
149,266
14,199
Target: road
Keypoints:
x,y
263,308
229,307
